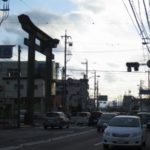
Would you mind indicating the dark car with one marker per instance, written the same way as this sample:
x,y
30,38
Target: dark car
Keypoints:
x,y
145,118
104,120
95,115
56,119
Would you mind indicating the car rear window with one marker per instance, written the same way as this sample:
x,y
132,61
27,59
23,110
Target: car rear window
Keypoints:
x,y
107,116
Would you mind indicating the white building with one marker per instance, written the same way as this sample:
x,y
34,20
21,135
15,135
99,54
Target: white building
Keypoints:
x,y
77,90
9,83
77,93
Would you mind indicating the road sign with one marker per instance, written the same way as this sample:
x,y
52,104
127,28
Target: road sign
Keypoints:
x,y
144,91
103,98
6,51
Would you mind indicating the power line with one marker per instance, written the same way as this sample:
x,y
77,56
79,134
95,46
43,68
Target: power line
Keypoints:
x,y
26,4
131,17
112,71
147,17
144,36
4,10
97,51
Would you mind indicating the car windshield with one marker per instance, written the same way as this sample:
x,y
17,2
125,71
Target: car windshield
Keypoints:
x,y
124,122
107,116
52,114
83,114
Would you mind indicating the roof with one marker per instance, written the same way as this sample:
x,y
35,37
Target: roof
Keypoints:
x,y
143,113
126,116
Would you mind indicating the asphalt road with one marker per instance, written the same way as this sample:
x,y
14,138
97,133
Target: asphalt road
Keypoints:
x,y
75,138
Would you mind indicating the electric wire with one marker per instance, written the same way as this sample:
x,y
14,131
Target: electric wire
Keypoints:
x,y
139,19
131,17
147,17
111,71
136,19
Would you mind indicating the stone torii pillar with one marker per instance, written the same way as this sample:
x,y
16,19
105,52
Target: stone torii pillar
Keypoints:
x,y
45,47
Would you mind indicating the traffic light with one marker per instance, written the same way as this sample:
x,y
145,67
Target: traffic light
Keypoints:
x,y
148,63
131,65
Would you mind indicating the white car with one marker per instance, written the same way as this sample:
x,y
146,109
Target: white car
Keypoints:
x,y
124,130
81,118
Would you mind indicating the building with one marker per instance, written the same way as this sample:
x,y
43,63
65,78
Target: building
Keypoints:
x,y
77,97
76,93
9,86
130,103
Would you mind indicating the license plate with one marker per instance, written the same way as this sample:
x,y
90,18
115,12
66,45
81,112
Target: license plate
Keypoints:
x,y
120,141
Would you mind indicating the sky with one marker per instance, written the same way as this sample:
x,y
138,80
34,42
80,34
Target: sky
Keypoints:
x,y
101,31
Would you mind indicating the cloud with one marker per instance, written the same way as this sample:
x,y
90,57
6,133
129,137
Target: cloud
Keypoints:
x,y
110,77
94,6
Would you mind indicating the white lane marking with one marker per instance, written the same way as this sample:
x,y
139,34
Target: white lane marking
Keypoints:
x,y
97,144
44,141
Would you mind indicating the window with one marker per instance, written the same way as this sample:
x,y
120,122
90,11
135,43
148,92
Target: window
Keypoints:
x,y
21,86
12,72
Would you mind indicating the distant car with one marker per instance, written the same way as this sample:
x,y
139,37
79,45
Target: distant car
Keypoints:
x,y
38,118
93,119
56,119
145,118
81,118
104,119
124,130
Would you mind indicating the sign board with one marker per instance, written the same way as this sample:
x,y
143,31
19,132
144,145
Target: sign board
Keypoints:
x,y
144,91
103,98
6,51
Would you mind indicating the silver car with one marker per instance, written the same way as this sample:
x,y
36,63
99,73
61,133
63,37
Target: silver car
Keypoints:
x,y
56,119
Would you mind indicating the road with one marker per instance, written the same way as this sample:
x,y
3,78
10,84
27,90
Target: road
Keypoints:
x,y
55,139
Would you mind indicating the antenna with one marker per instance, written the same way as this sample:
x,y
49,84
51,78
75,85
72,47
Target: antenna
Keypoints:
x,y
5,10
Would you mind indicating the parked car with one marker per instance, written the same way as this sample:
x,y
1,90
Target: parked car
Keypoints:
x,y
104,119
93,119
56,119
81,118
124,130
73,117
145,118
38,118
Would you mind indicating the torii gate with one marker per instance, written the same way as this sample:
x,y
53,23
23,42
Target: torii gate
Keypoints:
x,y
45,47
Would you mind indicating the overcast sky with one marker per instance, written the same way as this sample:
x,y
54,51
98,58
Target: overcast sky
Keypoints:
x,y
101,31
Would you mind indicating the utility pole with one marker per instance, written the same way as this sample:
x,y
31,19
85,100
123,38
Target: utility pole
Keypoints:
x,y
65,102
94,86
86,63
97,95
96,89
18,90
